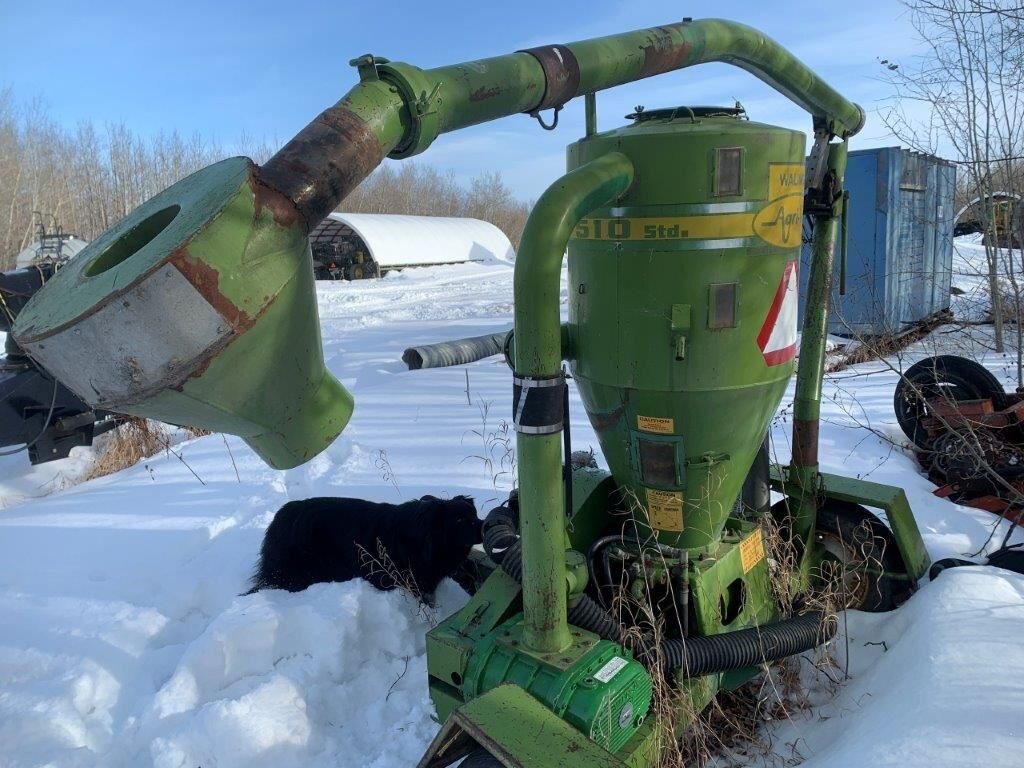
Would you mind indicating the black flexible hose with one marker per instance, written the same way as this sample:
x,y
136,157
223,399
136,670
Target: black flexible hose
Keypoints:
x,y
455,352
594,548
695,656
586,613
512,561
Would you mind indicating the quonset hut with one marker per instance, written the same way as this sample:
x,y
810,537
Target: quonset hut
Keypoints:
x,y
353,246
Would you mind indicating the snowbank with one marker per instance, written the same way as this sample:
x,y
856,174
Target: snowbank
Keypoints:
x,y
124,642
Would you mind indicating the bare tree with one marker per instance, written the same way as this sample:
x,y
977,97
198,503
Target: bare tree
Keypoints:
x,y
421,190
89,178
962,97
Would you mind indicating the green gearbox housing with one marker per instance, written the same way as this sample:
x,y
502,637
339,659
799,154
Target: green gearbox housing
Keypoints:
x,y
682,308
593,685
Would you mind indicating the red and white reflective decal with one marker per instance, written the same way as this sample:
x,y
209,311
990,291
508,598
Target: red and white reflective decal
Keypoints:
x,y
777,338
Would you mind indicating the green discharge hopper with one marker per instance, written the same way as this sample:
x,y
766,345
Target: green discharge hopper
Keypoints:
x,y
198,309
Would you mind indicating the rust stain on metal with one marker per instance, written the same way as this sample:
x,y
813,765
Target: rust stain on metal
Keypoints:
x,y
561,74
206,280
483,93
663,53
328,158
280,206
805,442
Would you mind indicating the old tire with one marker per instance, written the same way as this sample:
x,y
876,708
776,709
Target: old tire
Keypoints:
x,y
480,758
864,550
948,376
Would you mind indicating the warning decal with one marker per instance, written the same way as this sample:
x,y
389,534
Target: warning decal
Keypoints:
x,y
777,338
655,424
665,509
752,550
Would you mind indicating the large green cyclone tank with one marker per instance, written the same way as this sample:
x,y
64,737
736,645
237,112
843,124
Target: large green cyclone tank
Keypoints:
x,y
682,308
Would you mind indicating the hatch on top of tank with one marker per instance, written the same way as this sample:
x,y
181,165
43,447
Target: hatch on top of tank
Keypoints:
x,y
642,115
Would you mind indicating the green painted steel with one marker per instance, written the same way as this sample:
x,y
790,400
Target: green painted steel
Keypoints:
x,y
451,643
538,353
891,500
593,684
594,494
721,604
199,308
398,110
479,91
672,290
519,731
807,399
807,396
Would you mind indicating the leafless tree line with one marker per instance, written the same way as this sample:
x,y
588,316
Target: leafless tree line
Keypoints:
x,y
962,99
422,190
89,177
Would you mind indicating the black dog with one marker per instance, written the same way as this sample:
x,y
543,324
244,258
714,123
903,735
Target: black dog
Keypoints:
x,y
415,544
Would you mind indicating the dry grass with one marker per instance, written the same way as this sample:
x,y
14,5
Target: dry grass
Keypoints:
x,y
127,445
131,442
731,730
404,581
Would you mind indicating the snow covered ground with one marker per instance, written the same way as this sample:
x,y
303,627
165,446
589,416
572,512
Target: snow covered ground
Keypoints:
x,y
123,641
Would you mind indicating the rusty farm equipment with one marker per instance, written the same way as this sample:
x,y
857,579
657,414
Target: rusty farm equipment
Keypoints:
x,y
967,430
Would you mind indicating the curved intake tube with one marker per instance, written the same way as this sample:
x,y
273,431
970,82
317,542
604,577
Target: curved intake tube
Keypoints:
x,y
199,307
538,415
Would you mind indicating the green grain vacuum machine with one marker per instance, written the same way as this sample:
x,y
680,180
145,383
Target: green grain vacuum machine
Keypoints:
x,y
597,591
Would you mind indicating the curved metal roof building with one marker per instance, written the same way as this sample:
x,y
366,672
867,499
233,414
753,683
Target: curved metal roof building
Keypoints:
x,y
395,241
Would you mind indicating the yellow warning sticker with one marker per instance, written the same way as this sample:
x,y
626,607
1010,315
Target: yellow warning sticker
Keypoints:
x,y
785,179
655,424
665,509
781,221
751,550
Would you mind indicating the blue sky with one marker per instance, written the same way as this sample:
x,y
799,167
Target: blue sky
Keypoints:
x,y
264,69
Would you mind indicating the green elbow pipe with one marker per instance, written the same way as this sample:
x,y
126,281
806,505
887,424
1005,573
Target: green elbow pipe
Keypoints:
x,y
398,110
538,354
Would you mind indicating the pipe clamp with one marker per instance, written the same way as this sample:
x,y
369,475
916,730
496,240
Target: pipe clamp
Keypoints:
x,y
419,91
538,404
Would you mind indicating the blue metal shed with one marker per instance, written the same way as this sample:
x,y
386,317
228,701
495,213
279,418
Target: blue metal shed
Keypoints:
x,y
900,247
